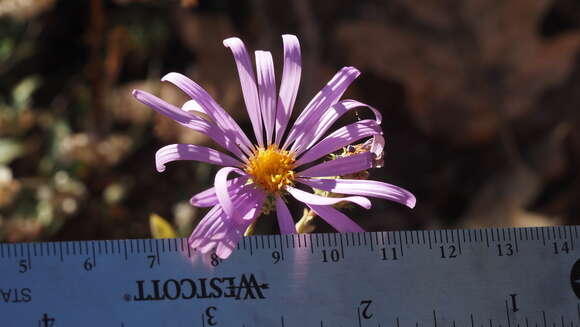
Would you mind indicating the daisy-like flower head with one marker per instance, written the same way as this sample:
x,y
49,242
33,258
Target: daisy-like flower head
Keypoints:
x,y
273,165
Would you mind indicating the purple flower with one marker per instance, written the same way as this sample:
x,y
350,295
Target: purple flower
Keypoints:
x,y
270,168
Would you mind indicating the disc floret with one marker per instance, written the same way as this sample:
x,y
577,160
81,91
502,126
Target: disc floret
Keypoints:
x,y
271,168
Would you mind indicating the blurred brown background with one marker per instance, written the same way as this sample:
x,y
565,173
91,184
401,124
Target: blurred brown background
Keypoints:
x,y
480,98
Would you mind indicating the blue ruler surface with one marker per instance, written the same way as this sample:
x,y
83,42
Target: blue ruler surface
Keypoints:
x,y
503,277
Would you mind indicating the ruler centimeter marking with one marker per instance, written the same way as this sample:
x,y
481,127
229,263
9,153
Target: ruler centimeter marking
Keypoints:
x,y
500,277
137,246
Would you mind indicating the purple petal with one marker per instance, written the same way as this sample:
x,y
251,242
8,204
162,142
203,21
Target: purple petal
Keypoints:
x,y
211,219
193,105
336,219
174,152
378,146
188,120
225,122
321,121
340,138
215,232
218,230
363,187
289,84
266,91
232,233
208,198
341,166
310,198
248,83
224,196
251,202
327,97
285,221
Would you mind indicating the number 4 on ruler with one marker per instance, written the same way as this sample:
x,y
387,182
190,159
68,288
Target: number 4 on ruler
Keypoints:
x,y
46,321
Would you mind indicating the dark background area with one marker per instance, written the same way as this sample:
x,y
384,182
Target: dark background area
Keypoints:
x,y
480,99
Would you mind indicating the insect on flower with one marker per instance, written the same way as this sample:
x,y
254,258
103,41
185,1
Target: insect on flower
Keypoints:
x,y
271,168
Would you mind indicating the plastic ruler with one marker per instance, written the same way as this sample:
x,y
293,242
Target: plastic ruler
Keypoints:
x,y
510,277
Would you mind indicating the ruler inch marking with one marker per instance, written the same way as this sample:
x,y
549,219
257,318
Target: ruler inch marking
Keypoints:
x,y
429,236
371,241
383,238
157,254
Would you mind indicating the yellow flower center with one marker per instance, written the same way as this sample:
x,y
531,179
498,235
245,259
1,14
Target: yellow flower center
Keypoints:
x,y
271,168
